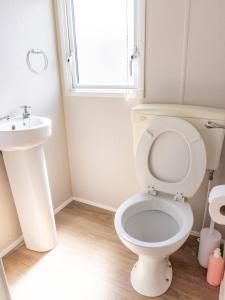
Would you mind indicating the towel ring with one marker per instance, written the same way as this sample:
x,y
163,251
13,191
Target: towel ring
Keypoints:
x,y
37,52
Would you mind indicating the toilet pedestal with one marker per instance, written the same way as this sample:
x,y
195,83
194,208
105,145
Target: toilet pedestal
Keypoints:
x,y
151,276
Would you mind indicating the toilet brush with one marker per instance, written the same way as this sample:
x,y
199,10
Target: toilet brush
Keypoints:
x,y
210,239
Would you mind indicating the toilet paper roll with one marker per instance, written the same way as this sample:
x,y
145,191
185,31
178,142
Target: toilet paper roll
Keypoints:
x,y
217,204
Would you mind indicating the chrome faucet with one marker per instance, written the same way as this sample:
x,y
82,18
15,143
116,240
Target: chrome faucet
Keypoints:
x,y
26,113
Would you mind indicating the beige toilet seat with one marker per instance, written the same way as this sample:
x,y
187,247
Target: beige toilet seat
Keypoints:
x,y
171,157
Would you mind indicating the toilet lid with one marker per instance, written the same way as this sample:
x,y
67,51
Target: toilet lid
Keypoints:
x,y
171,157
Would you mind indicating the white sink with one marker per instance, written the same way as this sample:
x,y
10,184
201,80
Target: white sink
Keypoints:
x,y
21,143
20,134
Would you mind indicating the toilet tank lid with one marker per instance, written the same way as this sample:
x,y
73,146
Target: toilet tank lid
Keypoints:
x,y
178,110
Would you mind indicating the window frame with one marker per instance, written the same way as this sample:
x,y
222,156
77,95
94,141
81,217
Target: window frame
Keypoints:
x,y
66,37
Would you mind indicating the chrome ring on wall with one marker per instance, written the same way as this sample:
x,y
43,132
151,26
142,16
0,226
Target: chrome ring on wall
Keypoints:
x,y
37,52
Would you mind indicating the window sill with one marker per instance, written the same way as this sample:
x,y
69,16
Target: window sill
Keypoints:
x,y
123,94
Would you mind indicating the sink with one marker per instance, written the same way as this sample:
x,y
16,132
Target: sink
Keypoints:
x,y
20,134
21,143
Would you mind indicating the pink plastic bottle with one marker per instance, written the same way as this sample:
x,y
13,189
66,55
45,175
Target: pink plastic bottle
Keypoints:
x,y
215,268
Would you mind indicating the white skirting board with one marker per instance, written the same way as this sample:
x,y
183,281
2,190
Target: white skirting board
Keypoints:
x,y
64,204
58,209
11,246
96,204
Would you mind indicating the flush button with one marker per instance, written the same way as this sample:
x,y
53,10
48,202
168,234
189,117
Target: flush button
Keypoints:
x,y
142,118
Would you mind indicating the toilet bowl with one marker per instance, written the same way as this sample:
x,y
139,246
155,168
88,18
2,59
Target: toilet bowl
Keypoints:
x,y
153,229
170,164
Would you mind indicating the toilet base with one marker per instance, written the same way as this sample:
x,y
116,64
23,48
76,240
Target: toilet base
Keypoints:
x,y
151,276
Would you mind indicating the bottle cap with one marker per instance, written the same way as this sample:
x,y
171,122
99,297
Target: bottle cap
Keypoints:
x,y
217,253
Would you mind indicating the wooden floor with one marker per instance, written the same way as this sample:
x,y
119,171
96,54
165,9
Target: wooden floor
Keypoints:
x,y
91,263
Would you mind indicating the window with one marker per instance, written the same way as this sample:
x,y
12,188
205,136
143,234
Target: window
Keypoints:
x,y
103,45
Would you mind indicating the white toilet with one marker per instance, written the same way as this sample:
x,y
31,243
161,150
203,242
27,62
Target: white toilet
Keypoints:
x,y
171,159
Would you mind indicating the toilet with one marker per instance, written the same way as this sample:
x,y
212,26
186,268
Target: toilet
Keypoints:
x,y
171,157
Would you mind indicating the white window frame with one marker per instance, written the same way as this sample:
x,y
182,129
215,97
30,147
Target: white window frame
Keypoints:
x,y
68,59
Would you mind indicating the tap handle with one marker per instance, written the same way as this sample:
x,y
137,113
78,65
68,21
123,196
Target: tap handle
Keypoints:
x,y
25,106
26,113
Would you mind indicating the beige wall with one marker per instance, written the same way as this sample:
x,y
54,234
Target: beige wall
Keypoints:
x,y
185,63
101,153
28,24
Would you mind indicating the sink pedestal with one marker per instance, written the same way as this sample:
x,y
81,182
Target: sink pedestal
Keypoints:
x,y
27,173
4,290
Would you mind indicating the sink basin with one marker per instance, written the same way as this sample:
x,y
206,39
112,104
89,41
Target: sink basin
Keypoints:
x,y
21,134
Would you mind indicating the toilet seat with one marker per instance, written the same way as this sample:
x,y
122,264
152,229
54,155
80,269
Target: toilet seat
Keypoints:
x,y
181,212
171,157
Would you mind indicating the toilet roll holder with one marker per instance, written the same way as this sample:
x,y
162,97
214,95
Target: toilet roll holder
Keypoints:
x,y
222,285
219,191
210,238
